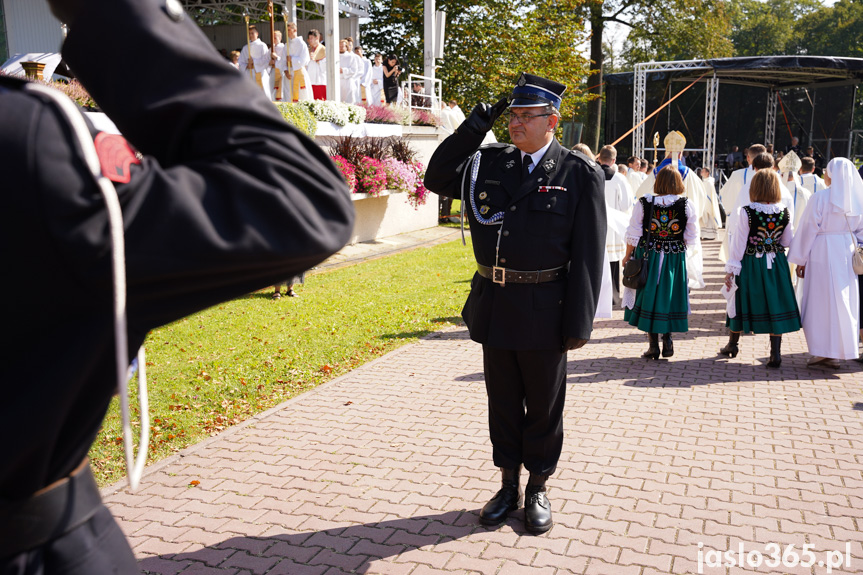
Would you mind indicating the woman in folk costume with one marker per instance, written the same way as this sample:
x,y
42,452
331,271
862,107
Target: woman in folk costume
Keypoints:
x,y
662,305
830,229
764,301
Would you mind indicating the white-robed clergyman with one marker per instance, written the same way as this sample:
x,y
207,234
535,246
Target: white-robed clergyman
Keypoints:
x,y
258,60
349,74
830,229
298,52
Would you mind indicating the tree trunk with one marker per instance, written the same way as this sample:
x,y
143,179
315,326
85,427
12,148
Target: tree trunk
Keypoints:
x,y
594,79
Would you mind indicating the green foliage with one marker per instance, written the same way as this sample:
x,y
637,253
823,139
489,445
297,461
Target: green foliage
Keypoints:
x,y
299,116
230,362
679,30
766,28
830,31
488,44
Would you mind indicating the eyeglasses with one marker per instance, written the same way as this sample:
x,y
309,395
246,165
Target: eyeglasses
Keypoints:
x,y
522,118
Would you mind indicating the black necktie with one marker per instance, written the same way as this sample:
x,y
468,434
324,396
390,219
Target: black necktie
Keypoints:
x,y
525,168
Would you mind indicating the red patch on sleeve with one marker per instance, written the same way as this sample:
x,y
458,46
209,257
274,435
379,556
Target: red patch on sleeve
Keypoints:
x,y
116,156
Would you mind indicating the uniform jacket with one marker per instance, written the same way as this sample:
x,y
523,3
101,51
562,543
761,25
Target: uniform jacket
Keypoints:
x,y
225,198
555,217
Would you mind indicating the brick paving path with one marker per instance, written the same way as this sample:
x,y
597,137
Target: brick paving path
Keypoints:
x,y
384,470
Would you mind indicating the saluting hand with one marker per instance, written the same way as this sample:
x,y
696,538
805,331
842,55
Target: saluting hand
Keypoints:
x,y
483,116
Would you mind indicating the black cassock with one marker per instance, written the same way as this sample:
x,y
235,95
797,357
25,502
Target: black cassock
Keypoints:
x,y
553,217
224,198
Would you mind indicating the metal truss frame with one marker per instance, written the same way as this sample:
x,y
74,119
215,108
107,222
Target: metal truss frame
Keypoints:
x,y
640,97
770,121
711,107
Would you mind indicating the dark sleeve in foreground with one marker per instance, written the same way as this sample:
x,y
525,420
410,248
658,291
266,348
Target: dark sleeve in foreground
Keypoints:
x,y
444,172
587,253
229,197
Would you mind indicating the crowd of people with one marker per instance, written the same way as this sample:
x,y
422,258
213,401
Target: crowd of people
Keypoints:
x,y
296,70
659,216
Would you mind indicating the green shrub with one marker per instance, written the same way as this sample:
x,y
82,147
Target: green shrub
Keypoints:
x,y
298,116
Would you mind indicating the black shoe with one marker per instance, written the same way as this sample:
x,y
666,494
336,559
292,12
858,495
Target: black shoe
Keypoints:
x,y
667,345
652,351
537,507
775,351
507,499
731,349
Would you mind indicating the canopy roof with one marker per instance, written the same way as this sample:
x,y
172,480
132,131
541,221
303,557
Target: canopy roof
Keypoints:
x,y
208,12
778,72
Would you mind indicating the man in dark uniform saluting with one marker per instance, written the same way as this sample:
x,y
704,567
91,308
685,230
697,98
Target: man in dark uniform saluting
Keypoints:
x,y
222,197
538,223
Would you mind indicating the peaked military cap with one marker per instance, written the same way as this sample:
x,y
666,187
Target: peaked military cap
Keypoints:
x,y
531,91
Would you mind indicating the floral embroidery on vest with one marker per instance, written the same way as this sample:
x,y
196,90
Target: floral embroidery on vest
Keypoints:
x,y
765,231
666,226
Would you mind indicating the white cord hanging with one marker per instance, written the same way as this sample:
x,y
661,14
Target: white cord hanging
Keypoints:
x,y
134,465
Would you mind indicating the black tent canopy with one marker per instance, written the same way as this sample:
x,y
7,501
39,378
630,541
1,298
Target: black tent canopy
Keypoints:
x,y
742,101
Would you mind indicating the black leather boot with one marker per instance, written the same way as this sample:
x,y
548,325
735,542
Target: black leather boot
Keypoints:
x,y
731,349
507,499
667,345
652,351
537,507
775,351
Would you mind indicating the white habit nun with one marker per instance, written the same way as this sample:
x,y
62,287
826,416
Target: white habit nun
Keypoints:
x,y
830,229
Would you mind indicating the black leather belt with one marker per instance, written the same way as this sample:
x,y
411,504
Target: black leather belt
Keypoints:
x,y
48,514
504,276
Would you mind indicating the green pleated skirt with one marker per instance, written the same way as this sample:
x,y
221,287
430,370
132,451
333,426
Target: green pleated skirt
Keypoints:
x,y
765,298
662,306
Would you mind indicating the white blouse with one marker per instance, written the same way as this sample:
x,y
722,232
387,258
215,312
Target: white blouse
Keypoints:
x,y
738,241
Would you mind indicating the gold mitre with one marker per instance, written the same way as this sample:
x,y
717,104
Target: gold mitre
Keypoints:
x,y
790,163
674,143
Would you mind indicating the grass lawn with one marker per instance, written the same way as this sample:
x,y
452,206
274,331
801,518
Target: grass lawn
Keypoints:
x,y
223,365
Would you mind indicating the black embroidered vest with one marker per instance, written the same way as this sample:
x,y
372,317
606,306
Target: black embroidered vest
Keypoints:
x,y
765,231
666,225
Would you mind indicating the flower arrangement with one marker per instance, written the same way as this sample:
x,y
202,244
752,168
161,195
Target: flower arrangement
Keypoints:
x,y
386,115
298,116
371,176
417,197
425,118
372,165
401,177
338,113
348,171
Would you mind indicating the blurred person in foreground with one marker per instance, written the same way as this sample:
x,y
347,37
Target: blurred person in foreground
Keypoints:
x,y
830,229
538,223
219,197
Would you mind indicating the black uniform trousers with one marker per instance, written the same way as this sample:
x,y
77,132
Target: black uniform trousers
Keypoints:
x,y
96,547
526,394
615,284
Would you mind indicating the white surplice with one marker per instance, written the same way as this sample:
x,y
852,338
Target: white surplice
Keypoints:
x,y
351,70
377,84
618,196
298,52
261,60
830,301
812,183
711,220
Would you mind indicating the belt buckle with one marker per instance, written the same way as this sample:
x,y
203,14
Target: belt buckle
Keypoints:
x,y
498,275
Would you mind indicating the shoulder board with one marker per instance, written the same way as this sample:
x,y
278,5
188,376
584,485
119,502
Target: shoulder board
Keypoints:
x,y
584,158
